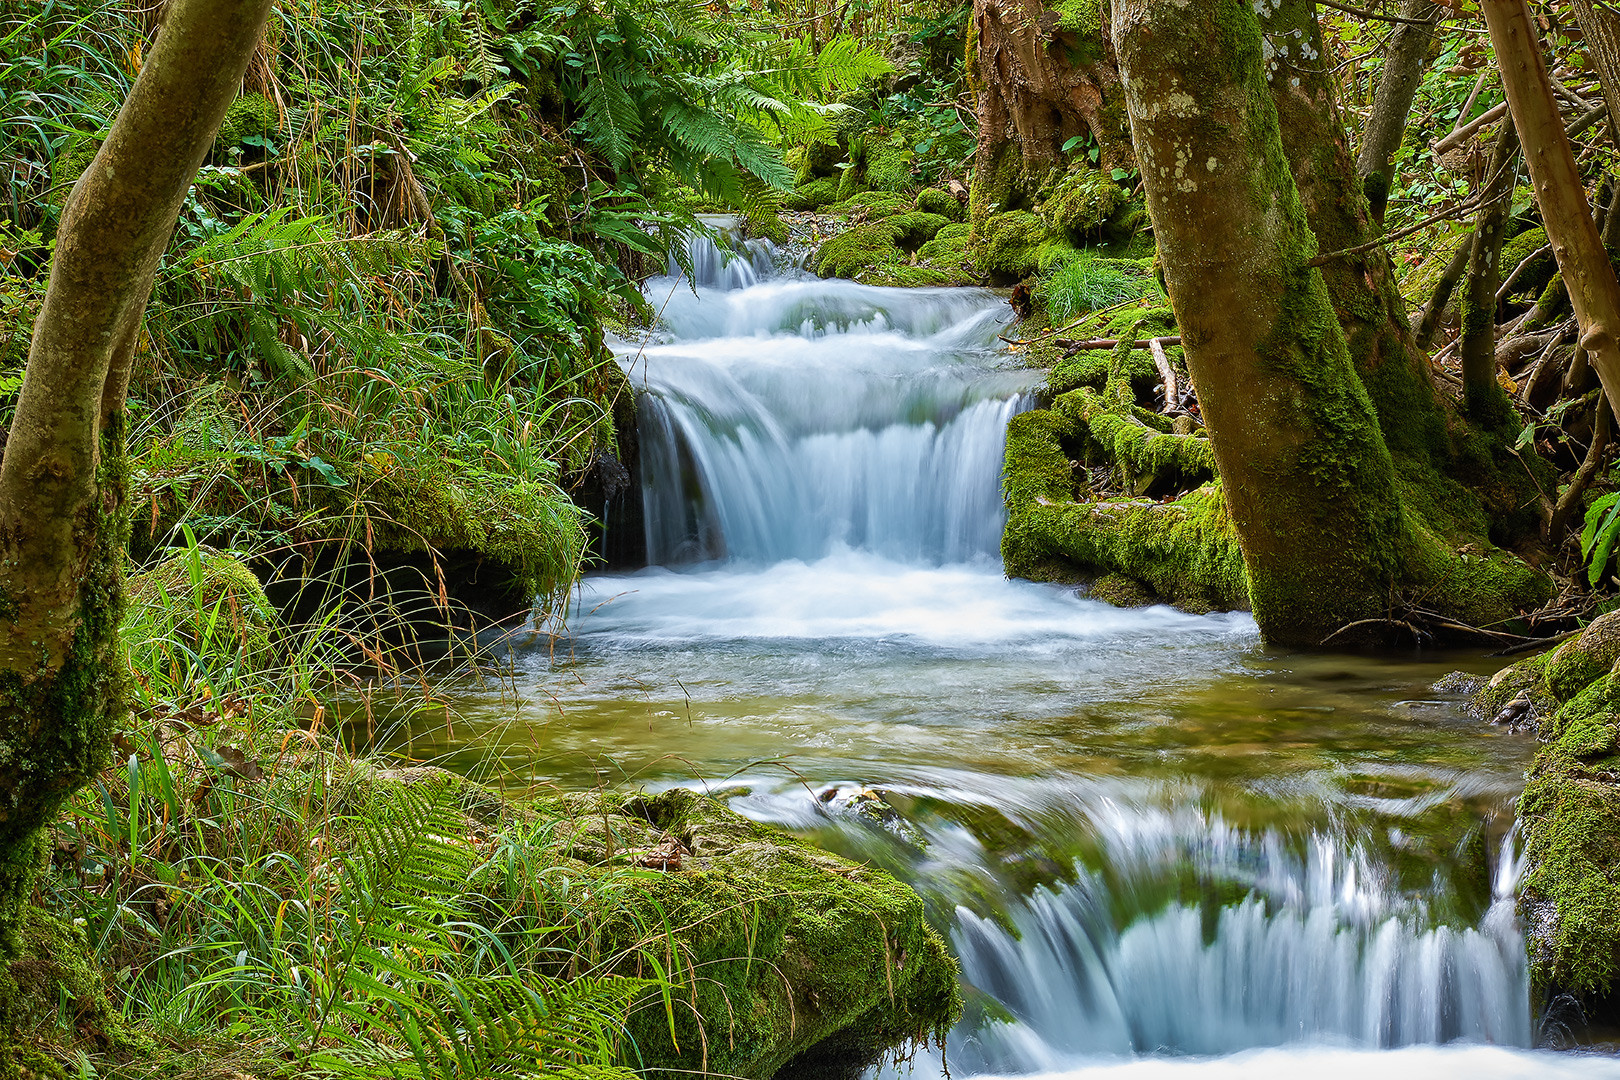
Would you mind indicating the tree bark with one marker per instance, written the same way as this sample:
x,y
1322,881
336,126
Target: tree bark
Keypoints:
x,y
1593,291
63,478
1404,61
1483,397
1307,477
1363,288
1600,30
1040,81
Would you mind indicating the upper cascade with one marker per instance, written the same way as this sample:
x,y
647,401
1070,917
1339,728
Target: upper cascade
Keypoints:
x,y
784,417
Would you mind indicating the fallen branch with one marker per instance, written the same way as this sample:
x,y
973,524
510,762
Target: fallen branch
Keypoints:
x,y
1543,250
1109,343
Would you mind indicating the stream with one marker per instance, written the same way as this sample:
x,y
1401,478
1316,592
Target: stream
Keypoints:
x,y
1162,850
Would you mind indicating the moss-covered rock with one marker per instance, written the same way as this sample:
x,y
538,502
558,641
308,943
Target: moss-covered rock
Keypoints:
x,y
57,998
934,201
1082,203
801,957
874,204
1570,811
813,195
210,599
1010,244
250,116
888,168
913,230
857,250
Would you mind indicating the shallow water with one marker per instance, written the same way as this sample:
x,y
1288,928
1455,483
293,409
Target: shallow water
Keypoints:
x,y
1159,849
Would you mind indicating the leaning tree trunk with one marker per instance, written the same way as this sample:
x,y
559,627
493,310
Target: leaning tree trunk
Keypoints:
x,y
1600,32
1593,291
1361,283
63,479
1405,58
1041,78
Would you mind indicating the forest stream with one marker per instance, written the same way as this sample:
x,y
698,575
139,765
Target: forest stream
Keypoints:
x,y
1160,848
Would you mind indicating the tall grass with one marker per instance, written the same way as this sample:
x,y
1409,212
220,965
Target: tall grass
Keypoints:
x,y
1079,282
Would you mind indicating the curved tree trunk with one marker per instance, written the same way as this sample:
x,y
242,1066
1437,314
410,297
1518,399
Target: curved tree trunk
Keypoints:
x,y
63,478
1593,291
1307,477
1404,61
1040,81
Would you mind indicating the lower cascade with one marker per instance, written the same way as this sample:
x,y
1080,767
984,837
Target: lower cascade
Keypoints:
x,y
1156,849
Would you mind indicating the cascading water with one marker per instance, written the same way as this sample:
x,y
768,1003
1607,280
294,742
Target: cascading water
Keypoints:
x,y
1158,850
788,418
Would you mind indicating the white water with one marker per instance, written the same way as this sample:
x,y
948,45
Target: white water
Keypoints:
x,y
821,468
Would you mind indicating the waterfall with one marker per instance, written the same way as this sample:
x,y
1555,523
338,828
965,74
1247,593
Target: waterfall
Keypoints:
x,y
1319,948
787,418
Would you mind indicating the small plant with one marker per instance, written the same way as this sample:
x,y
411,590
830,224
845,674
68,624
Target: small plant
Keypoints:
x,y
1079,283
1601,535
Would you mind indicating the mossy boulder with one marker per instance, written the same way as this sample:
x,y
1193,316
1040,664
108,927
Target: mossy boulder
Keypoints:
x,y
210,599
57,999
250,116
934,201
1569,897
857,250
813,195
1009,246
888,168
873,204
803,959
913,230
1083,203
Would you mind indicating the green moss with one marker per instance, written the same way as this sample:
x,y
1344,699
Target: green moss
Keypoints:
x,y
913,230
65,713
209,599
934,201
877,204
250,116
1521,247
888,168
1149,460
857,250
1120,591
1185,551
58,999
822,191
1083,203
799,954
1009,250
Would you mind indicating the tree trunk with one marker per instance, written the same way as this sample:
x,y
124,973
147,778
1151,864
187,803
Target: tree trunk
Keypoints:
x,y
1483,398
64,477
1405,58
1600,30
1307,477
1587,273
1041,78
1362,286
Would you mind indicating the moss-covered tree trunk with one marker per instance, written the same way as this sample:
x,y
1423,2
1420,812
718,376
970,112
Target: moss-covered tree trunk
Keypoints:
x,y
63,478
1362,285
1483,397
1309,480
1042,75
